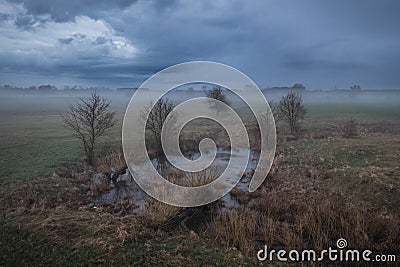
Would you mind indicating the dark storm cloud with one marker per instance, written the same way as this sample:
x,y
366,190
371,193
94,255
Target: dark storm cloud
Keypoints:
x,y
5,17
163,5
30,22
61,10
319,56
318,43
316,64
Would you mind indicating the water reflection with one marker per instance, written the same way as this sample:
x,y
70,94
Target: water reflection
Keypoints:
x,y
124,190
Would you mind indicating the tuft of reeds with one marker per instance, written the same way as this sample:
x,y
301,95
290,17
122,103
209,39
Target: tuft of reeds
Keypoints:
x,y
235,228
314,223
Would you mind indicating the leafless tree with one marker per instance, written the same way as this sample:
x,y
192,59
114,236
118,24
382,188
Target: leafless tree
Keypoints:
x,y
155,121
217,93
291,110
89,119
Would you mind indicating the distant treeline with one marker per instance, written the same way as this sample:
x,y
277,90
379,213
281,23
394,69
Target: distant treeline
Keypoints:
x,y
51,89
296,86
79,89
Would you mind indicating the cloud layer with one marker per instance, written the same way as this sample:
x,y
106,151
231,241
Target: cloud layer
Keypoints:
x,y
121,43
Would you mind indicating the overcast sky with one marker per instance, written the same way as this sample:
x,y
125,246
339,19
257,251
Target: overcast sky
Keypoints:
x,y
120,43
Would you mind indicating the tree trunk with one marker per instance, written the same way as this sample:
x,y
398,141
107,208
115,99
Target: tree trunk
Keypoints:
x,y
89,155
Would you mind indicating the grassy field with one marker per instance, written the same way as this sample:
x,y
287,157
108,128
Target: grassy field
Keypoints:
x,y
33,140
359,111
321,187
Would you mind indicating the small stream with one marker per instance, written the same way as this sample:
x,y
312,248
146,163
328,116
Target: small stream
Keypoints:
x,y
126,190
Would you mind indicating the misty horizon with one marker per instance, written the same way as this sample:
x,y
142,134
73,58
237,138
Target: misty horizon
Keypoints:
x,y
184,87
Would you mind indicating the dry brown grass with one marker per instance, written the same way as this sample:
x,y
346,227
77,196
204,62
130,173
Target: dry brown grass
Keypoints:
x,y
241,196
350,129
83,227
56,207
41,194
235,228
112,164
193,179
70,169
160,215
313,224
306,208
323,220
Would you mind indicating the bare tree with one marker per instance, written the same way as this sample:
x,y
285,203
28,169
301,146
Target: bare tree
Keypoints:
x,y
89,119
291,110
217,93
155,121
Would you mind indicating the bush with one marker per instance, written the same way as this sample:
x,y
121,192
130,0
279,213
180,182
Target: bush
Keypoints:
x,y
350,129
